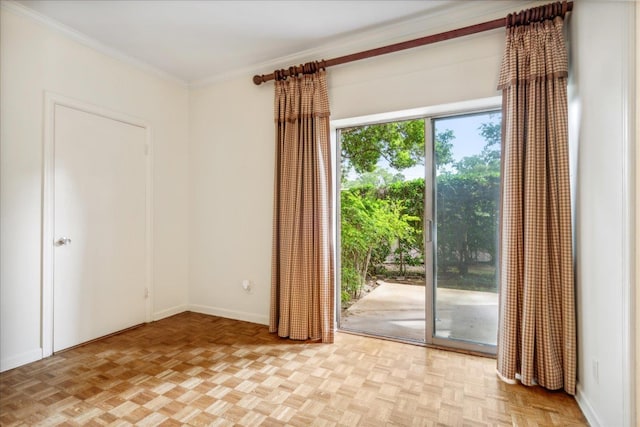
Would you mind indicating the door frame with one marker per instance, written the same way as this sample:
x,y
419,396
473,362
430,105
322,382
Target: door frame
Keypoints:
x,y
428,114
51,100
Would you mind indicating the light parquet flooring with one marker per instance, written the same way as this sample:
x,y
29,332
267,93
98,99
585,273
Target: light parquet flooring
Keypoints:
x,y
198,370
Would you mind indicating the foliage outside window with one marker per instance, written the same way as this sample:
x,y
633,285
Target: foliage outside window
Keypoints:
x,y
382,212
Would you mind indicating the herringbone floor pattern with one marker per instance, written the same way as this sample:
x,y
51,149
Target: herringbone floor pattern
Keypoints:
x,y
199,370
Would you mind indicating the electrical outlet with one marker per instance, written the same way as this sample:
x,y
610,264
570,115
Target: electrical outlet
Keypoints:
x,y
246,285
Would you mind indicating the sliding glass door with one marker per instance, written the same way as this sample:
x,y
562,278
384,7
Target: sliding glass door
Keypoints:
x,y
418,215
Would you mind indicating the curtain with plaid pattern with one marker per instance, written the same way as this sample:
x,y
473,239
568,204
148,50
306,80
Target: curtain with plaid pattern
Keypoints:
x,y
302,282
537,330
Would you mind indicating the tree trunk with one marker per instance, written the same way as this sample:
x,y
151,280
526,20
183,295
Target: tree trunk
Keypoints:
x,y
463,265
356,265
363,272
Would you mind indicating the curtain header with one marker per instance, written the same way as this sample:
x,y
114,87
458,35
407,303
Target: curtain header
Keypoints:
x,y
534,52
301,96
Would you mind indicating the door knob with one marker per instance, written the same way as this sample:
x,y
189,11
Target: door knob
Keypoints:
x,y
63,241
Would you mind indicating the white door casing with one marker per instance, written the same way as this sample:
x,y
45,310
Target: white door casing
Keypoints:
x,y
97,191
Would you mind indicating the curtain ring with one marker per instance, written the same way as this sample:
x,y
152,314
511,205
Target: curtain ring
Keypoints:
x,y
565,7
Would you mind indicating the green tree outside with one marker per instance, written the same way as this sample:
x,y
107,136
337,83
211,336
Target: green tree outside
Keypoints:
x,y
380,209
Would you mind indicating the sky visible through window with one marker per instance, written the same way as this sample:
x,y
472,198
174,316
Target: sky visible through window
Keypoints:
x,y
468,140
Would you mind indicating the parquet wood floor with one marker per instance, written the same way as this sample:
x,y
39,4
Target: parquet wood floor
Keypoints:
x,y
199,370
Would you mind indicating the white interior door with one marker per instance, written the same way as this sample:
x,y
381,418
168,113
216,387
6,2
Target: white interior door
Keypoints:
x,y
100,226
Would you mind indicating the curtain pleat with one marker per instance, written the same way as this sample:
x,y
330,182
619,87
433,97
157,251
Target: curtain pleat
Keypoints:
x,y
302,279
537,331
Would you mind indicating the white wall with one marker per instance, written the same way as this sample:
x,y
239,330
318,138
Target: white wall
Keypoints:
x,y
35,59
230,200
602,107
637,225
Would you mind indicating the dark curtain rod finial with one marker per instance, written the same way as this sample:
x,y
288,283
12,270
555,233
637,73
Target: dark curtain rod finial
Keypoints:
x,y
523,17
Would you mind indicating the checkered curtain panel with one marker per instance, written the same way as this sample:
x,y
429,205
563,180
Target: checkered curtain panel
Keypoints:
x,y
537,330
302,283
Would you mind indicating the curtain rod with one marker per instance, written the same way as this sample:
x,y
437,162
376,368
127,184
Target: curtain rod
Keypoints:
x,y
523,17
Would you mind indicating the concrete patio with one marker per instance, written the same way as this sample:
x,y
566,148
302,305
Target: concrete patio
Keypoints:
x,y
398,311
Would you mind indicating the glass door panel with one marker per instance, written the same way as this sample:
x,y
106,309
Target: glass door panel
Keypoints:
x,y
382,188
466,194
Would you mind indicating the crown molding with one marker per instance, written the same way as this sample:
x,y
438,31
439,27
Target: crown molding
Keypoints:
x,y
446,17
18,9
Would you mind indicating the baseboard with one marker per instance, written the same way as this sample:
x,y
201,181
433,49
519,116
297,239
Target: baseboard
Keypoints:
x,y
587,408
230,314
170,312
20,359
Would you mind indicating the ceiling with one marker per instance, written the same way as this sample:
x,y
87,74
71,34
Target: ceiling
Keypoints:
x,y
198,40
